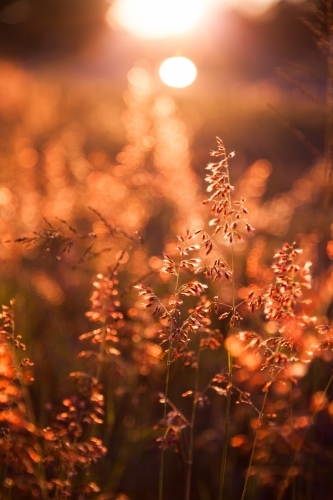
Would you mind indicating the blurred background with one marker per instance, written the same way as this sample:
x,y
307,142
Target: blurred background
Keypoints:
x,y
238,47
86,120
97,152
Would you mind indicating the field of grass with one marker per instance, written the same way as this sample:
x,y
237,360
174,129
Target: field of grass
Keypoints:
x,y
166,327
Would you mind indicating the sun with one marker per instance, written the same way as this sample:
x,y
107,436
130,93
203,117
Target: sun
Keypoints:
x,y
178,72
156,18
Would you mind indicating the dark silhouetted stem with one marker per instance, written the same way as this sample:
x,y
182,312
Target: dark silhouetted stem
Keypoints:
x,y
161,480
194,407
254,447
228,407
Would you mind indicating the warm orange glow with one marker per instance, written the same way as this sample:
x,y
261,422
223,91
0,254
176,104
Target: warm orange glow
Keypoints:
x,y
47,288
248,7
237,441
234,345
318,401
255,7
164,18
329,249
156,18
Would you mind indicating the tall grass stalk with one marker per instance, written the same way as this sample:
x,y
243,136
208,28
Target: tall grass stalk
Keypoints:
x,y
225,445
192,421
298,448
167,380
233,310
248,472
13,346
261,415
228,405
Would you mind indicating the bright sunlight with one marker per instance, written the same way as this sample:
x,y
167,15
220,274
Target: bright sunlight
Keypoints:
x,y
178,72
156,18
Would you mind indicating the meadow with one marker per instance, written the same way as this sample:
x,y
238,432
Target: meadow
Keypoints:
x,y
165,329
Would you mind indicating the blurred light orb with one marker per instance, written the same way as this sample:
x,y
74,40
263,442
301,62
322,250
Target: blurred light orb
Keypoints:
x,y
178,72
156,18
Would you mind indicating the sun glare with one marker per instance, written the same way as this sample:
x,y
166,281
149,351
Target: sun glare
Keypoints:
x,y
156,18
178,72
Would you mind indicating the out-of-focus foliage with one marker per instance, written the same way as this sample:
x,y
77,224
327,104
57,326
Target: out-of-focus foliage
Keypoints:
x,y
212,343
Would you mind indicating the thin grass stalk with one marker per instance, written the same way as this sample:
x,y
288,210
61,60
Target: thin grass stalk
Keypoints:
x,y
228,407
293,493
293,486
99,366
40,475
261,414
225,445
102,346
118,466
64,473
253,448
282,490
194,407
167,381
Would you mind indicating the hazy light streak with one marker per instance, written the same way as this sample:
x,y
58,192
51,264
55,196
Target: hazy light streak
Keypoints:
x,y
164,18
156,18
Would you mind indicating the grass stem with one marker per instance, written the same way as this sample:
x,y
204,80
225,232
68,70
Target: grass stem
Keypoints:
x,y
228,406
248,472
39,467
167,379
194,407
225,445
297,450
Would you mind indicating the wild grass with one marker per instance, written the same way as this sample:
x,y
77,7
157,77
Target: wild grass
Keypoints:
x,y
155,343
261,342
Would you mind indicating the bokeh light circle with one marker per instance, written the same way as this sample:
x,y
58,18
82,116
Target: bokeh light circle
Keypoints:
x,y
156,18
178,72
